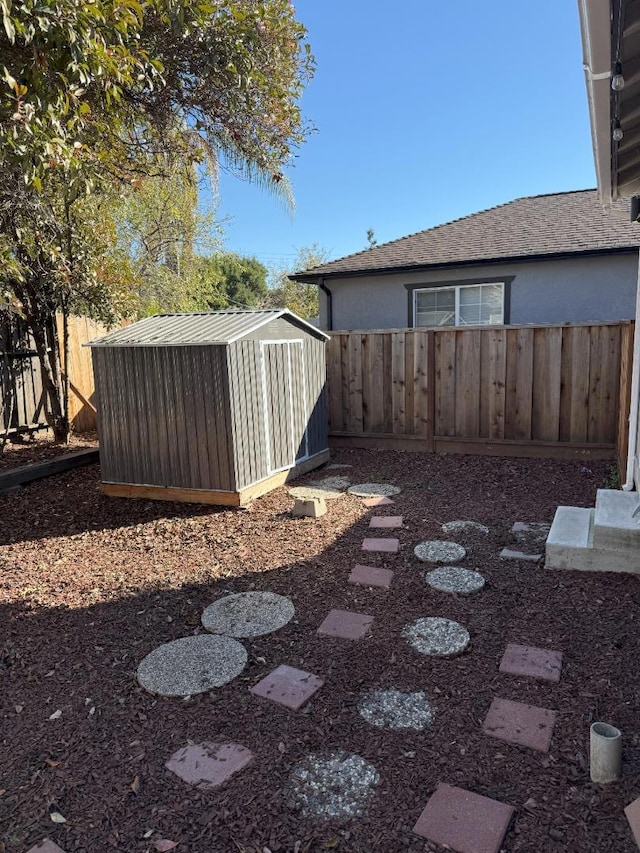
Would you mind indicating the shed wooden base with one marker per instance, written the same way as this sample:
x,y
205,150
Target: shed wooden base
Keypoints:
x,y
206,496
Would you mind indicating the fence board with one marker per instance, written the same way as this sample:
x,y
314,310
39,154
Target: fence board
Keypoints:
x,y
410,378
398,392
467,383
445,383
355,383
376,402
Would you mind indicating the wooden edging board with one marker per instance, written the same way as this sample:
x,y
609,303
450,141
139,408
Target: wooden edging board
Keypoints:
x,y
212,497
39,470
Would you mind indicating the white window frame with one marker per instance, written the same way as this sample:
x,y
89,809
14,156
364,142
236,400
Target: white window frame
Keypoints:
x,y
456,288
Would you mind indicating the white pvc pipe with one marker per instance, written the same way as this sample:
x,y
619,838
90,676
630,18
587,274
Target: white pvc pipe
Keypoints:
x,y
606,753
635,394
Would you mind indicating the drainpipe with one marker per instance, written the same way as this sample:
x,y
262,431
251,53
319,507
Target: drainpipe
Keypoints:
x,y
323,287
635,393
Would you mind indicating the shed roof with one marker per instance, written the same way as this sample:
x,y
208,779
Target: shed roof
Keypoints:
x,y
212,327
569,223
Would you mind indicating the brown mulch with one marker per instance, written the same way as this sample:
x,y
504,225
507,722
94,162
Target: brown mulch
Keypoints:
x,y
89,585
39,447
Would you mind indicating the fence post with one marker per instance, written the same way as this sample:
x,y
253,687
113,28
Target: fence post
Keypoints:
x,y
431,391
627,331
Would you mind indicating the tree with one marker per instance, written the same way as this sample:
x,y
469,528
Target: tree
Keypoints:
x,y
228,280
296,296
96,96
371,238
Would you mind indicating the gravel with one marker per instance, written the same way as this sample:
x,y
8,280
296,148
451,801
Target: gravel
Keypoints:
x,y
192,665
393,709
338,484
306,493
374,490
436,551
335,786
455,579
438,637
248,614
460,526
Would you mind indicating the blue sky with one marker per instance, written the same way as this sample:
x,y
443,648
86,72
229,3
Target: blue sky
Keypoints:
x,y
424,112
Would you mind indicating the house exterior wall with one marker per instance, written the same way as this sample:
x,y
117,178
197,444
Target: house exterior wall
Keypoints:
x,y
587,289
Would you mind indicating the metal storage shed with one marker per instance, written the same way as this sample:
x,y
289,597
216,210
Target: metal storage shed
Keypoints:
x,y
210,408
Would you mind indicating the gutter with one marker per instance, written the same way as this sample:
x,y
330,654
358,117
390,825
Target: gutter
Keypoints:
x,y
627,486
323,287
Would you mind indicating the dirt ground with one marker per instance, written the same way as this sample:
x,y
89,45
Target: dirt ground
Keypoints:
x,y
89,585
39,447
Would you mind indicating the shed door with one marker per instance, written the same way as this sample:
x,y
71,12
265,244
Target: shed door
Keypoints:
x,y
285,403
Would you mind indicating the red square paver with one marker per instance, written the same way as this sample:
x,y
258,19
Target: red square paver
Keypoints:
x,y
379,501
345,624
46,846
466,822
532,662
523,725
207,765
388,546
371,576
632,812
386,521
288,686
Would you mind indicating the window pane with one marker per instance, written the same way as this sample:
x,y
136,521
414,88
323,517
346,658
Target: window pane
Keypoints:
x,y
436,307
481,304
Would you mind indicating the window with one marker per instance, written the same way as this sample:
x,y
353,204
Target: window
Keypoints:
x,y
461,305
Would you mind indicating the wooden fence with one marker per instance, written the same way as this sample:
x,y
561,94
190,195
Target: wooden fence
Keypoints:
x,y
21,398
518,390
82,409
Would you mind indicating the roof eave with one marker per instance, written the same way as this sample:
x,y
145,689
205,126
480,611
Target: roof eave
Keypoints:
x,y
407,268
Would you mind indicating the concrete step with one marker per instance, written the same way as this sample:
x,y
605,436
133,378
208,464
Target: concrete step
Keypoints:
x,y
614,525
570,545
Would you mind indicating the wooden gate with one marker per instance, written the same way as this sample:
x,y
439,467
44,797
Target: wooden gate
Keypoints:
x,y
21,394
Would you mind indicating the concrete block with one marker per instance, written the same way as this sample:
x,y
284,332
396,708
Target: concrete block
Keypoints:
x,y
309,508
571,545
614,524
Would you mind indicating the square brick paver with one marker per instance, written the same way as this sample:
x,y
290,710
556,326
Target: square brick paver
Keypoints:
x,y
379,501
371,576
532,662
466,822
207,765
386,521
632,812
523,725
288,686
46,846
388,546
345,624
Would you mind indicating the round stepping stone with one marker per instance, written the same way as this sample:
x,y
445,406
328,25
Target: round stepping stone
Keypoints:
x,y
373,490
248,614
452,527
437,551
455,579
192,665
393,709
332,483
335,786
437,637
307,493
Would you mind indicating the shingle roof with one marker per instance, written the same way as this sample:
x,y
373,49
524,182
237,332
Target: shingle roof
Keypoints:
x,y
212,327
558,224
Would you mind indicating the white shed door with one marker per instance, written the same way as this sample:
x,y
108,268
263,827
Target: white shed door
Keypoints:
x,y
284,396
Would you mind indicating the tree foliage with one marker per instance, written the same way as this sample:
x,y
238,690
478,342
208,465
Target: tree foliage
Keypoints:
x,y
296,296
97,97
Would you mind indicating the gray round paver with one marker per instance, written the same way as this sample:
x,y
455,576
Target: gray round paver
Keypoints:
x,y
192,665
335,786
460,526
438,637
338,484
438,551
306,493
373,490
393,709
455,579
248,614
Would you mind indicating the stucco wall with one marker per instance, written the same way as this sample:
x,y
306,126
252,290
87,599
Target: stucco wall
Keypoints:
x,y
574,290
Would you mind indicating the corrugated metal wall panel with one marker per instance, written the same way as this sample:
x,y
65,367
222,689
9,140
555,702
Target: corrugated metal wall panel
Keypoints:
x,y
164,417
247,408
315,367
